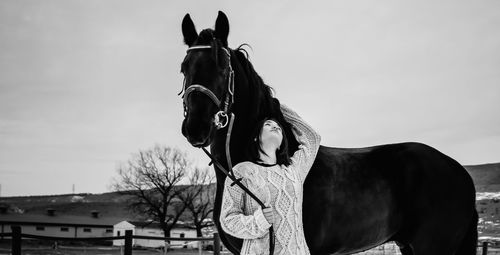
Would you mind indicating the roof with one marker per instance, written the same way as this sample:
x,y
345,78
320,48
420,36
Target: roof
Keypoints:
x,y
58,220
156,225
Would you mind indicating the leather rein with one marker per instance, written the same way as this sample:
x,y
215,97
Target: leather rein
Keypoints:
x,y
221,119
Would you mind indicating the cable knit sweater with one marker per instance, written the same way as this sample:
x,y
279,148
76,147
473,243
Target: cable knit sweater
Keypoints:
x,y
277,186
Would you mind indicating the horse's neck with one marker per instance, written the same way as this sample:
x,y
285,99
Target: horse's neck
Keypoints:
x,y
251,102
238,137
246,112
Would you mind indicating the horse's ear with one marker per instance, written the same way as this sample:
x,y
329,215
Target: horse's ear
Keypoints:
x,y
222,28
188,30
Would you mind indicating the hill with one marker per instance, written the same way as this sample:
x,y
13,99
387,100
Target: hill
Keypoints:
x,y
112,204
107,204
486,177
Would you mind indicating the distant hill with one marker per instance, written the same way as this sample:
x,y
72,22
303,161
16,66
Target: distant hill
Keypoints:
x,y
486,177
112,204
107,204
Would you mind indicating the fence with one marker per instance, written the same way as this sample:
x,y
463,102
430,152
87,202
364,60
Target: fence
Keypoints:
x,y
17,237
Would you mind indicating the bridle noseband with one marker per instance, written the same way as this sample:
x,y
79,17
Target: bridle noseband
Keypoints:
x,y
221,117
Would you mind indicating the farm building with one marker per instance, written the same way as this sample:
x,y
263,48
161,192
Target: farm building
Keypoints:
x,y
51,224
488,205
152,229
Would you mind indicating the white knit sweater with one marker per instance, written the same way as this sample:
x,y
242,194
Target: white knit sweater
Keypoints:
x,y
278,186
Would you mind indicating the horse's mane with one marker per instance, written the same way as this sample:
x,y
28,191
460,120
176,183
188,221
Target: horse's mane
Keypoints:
x,y
207,37
261,93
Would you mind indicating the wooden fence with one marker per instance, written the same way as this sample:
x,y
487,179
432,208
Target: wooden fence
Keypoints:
x,y
17,237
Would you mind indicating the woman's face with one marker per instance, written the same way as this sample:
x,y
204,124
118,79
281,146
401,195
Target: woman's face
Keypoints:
x,y
271,134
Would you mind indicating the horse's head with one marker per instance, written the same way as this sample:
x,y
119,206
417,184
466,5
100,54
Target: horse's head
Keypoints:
x,y
208,80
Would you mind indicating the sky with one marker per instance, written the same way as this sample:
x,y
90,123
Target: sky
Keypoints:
x,y
86,84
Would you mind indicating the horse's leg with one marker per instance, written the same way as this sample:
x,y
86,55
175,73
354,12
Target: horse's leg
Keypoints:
x,y
428,238
468,245
405,248
432,240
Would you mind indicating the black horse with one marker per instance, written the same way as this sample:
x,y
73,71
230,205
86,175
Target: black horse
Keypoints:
x,y
354,199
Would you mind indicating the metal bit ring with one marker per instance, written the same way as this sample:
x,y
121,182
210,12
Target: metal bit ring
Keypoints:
x,y
221,119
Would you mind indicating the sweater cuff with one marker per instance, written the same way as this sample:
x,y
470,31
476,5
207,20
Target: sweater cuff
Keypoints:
x,y
260,219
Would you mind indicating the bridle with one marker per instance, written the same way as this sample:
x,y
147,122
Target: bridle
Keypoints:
x,y
221,119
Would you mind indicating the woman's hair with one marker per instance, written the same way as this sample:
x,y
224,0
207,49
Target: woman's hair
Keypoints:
x,y
253,149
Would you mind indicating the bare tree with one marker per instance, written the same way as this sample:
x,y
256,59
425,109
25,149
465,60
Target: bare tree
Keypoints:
x,y
150,178
199,198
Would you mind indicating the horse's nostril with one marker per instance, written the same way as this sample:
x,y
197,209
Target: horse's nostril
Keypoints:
x,y
198,144
198,131
198,141
196,138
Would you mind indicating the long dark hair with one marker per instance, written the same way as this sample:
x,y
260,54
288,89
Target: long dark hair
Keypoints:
x,y
253,148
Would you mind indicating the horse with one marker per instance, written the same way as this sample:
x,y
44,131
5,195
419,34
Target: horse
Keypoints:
x,y
354,198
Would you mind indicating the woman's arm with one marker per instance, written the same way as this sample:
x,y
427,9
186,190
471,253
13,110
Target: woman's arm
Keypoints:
x,y
232,218
309,140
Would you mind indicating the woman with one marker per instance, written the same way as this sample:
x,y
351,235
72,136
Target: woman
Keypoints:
x,y
276,179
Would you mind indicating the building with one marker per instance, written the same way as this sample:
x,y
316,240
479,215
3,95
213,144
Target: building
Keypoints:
x,y
142,228
51,224
488,208
54,225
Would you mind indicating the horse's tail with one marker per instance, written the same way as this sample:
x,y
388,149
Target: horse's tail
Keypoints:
x,y
469,243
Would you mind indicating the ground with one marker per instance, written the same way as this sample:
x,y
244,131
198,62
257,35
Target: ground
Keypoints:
x,y
104,250
388,249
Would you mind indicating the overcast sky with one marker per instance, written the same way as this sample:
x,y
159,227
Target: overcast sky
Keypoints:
x,y
85,84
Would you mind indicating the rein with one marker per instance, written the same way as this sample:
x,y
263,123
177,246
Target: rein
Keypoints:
x,y
221,119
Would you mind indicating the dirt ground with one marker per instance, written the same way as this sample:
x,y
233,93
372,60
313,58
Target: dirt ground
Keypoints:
x,y
388,249
96,251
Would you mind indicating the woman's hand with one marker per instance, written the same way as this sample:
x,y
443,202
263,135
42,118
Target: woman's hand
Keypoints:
x,y
269,214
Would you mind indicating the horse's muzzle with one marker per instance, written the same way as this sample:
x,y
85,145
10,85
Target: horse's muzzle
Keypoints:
x,y
198,135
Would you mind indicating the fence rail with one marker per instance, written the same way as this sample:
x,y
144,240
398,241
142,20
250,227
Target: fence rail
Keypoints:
x,y
17,237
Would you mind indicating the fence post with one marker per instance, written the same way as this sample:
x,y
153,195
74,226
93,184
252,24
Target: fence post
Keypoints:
x,y
16,240
200,244
485,248
128,242
216,244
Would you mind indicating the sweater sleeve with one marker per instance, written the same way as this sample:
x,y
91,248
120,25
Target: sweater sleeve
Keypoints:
x,y
233,220
309,141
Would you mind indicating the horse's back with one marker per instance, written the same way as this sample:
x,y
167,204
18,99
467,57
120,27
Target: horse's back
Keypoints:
x,y
388,189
